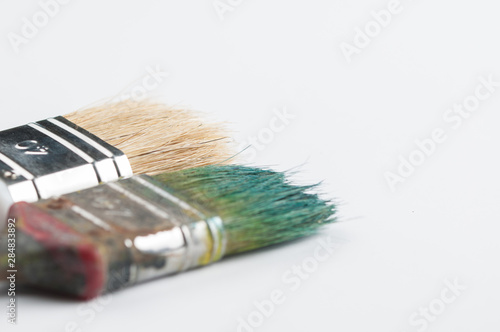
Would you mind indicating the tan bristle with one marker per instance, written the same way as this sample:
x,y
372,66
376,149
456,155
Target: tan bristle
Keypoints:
x,y
157,138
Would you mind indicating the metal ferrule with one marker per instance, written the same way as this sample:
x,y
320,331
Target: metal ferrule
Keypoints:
x,y
143,229
54,157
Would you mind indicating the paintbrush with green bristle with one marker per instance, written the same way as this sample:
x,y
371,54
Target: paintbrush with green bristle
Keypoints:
x,y
118,234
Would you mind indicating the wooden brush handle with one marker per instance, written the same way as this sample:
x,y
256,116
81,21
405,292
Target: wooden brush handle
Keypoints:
x,y
109,237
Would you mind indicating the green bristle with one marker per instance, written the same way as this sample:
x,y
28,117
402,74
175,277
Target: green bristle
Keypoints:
x,y
259,207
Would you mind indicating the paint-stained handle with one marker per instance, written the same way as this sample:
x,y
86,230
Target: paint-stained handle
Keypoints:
x,y
113,236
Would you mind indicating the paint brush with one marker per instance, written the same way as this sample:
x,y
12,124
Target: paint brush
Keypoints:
x,y
119,234
102,144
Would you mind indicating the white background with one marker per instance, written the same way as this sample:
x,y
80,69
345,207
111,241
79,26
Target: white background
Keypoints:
x,y
352,122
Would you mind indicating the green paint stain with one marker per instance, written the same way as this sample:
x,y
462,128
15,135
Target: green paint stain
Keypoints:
x,y
259,207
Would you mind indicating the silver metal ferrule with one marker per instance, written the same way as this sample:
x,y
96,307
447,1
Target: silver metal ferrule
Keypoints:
x,y
54,157
143,229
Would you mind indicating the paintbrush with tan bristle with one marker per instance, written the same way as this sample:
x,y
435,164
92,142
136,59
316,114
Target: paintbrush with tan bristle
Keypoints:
x,y
102,144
